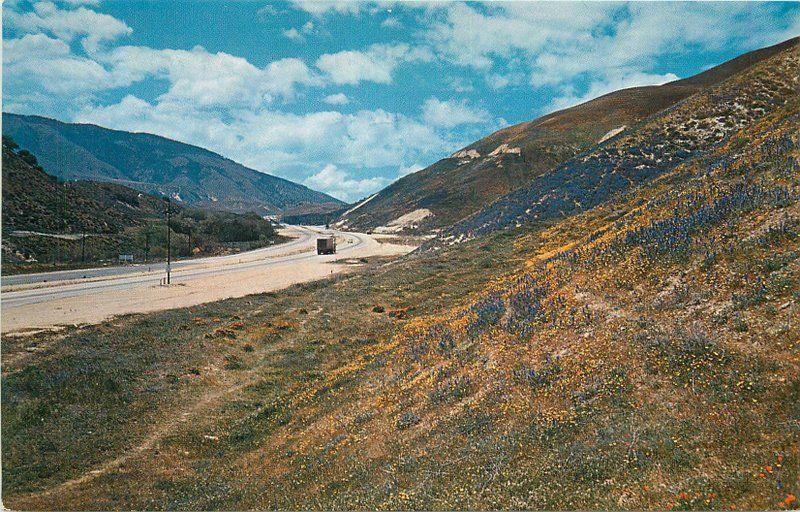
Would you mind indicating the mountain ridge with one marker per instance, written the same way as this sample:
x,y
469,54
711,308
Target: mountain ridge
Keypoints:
x,y
680,132
457,186
156,164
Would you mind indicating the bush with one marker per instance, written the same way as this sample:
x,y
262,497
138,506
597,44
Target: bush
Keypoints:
x,y
540,377
451,390
406,420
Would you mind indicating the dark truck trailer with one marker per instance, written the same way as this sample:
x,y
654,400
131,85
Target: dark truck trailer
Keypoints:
x,y
326,245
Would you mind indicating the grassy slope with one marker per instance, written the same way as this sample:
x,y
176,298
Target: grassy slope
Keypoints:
x,y
129,378
643,354
453,188
691,128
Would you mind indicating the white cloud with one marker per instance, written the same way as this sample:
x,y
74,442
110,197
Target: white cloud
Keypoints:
x,y
55,69
37,62
472,35
497,81
299,35
91,27
459,84
292,33
569,97
281,76
451,113
391,22
37,46
322,7
376,64
268,11
333,181
555,43
81,2
406,170
210,78
336,99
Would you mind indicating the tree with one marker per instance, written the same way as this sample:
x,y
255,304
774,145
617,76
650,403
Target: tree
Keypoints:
x,y
28,157
9,143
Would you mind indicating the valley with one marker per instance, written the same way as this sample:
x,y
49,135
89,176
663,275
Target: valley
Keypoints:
x,y
597,309
39,301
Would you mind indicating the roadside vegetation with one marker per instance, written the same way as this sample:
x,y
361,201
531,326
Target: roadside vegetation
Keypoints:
x,y
51,224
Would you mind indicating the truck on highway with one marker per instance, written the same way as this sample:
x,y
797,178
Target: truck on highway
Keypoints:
x,y
326,245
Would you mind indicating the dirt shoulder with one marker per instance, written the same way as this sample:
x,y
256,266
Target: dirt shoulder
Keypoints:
x,y
214,283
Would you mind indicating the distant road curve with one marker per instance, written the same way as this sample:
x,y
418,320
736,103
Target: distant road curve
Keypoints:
x,y
38,301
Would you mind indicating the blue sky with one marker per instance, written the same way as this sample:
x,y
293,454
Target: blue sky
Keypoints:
x,y
346,97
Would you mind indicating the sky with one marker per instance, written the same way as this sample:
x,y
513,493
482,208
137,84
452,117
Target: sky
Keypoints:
x,y
346,97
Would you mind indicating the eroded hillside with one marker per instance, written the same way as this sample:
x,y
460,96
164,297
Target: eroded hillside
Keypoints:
x,y
511,158
693,127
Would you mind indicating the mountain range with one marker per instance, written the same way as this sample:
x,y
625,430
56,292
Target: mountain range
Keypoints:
x,y
158,165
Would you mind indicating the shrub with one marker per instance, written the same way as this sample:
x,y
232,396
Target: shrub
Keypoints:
x,y
406,420
539,377
451,390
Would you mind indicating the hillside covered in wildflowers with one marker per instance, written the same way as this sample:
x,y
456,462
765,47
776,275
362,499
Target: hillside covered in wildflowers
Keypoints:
x,y
621,334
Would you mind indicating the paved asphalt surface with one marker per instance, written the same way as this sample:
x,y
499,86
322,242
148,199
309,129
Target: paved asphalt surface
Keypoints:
x,y
71,283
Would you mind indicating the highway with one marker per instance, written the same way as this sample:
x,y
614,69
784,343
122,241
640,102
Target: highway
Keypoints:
x,y
91,295
304,236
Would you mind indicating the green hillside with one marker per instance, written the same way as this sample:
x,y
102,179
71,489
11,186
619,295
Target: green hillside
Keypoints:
x,y
45,220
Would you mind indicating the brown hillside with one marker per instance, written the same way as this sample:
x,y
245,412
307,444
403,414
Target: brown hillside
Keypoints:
x,y
456,187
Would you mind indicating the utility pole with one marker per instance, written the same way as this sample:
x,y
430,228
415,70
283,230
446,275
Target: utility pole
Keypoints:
x,y
83,243
169,240
63,218
146,242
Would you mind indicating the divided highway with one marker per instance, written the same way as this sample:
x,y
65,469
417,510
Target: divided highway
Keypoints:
x,y
36,301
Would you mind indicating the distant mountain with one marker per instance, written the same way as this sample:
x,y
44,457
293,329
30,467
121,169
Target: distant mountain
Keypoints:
x,y
44,219
460,185
36,201
157,165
